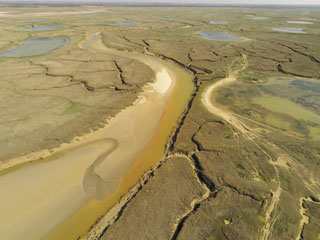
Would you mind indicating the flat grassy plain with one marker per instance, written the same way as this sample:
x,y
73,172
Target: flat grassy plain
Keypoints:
x,y
214,183
52,98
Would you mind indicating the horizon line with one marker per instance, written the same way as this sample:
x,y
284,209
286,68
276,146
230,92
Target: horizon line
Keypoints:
x,y
36,2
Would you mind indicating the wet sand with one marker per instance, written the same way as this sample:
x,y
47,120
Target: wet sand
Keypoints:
x,y
81,183
37,198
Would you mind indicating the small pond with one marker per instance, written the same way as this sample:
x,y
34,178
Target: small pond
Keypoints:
x,y
220,36
43,28
125,23
168,18
259,18
288,29
91,15
35,46
28,20
218,22
299,22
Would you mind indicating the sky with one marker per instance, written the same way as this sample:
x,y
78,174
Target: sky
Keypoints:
x,y
304,2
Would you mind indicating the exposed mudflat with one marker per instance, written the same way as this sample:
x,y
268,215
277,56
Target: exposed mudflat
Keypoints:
x,y
53,188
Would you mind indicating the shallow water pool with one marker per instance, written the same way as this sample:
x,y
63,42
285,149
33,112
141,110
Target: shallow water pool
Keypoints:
x,y
218,22
125,23
35,46
299,22
220,36
292,105
259,18
28,20
43,28
289,29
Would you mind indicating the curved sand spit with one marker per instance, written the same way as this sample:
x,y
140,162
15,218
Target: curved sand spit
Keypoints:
x,y
36,198
206,100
